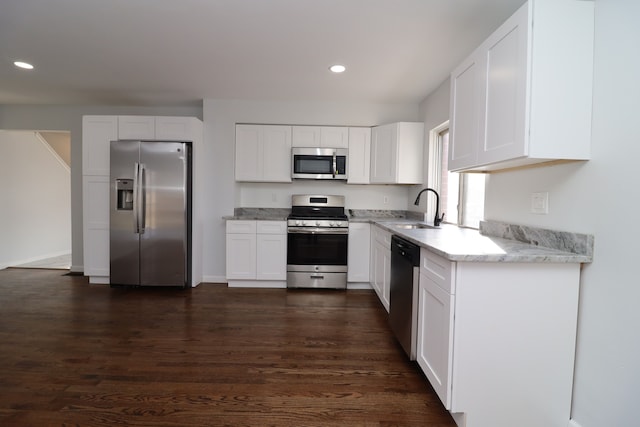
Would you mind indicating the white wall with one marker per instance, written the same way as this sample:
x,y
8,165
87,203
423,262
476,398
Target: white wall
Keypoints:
x,y
69,118
598,197
220,117
35,210
434,111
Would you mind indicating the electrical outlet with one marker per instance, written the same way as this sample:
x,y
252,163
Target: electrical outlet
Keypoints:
x,y
540,203
385,200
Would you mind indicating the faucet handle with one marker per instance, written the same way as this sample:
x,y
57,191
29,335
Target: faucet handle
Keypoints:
x,y
437,220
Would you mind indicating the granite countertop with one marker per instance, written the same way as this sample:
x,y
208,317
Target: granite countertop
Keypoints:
x,y
498,242
259,214
494,242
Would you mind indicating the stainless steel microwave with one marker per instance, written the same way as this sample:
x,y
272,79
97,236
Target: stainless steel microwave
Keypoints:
x,y
319,163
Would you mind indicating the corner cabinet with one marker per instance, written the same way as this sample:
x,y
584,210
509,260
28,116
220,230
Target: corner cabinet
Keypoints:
x,y
397,153
97,134
256,253
497,340
263,153
524,95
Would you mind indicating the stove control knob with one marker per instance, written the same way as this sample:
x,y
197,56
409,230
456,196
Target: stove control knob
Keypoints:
x,y
298,223
333,224
318,223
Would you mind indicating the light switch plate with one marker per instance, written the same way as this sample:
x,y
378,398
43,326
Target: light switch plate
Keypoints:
x,y
540,203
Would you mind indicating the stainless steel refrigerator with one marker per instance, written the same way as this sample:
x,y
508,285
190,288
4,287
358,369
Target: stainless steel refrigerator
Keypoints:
x,y
150,213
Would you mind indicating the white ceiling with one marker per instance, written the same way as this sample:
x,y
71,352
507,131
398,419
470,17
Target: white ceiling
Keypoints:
x,y
143,52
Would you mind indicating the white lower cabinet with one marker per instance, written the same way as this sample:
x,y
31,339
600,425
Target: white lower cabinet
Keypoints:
x,y
271,250
359,250
435,317
497,340
380,269
256,253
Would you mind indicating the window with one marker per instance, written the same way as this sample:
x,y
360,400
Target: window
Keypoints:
x,y
461,194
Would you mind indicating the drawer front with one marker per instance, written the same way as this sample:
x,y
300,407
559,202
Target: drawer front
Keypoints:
x,y
241,227
272,227
438,269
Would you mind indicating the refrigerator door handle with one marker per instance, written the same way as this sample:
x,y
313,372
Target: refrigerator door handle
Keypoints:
x,y
142,191
136,192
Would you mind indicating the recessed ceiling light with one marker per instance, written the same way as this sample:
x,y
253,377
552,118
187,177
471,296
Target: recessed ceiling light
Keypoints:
x,y
24,65
337,68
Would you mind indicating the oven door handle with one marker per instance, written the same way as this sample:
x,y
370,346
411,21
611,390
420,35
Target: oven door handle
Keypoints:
x,y
316,230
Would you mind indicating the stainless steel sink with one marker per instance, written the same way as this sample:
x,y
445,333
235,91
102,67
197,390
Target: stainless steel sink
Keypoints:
x,y
412,226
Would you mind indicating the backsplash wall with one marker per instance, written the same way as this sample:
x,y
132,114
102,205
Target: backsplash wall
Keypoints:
x,y
278,195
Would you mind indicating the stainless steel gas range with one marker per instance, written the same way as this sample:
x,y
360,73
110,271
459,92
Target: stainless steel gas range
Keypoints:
x,y
317,235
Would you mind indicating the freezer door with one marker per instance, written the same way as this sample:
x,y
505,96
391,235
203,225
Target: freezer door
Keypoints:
x,y
164,213
123,240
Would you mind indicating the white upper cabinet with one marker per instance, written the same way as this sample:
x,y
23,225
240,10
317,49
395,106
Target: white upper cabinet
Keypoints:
x,y
334,137
524,95
136,127
263,153
465,111
320,136
161,128
97,134
359,155
397,153
168,128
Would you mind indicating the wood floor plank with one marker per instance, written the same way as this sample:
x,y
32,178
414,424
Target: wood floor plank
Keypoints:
x,y
90,355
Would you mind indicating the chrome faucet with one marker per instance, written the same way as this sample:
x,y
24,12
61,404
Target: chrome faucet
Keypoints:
x,y
438,219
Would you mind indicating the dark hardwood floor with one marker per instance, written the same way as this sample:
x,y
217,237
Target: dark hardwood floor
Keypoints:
x,y
74,354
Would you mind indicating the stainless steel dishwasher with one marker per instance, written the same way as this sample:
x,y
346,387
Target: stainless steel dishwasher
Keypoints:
x,y
403,295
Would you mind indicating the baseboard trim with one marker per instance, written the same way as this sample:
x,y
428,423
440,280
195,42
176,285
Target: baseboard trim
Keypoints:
x,y
358,285
267,284
214,279
573,423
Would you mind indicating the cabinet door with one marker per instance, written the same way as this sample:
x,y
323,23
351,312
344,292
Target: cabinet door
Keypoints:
x,y
409,153
383,154
97,134
241,256
381,268
136,127
334,137
435,336
271,257
276,157
378,269
359,159
174,128
358,252
465,109
503,124
306,136
95,194
249,154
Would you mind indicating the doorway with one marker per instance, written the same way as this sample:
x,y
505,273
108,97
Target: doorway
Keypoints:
x,y
35,187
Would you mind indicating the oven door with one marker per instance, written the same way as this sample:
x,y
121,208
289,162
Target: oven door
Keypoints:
x,y
317,247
